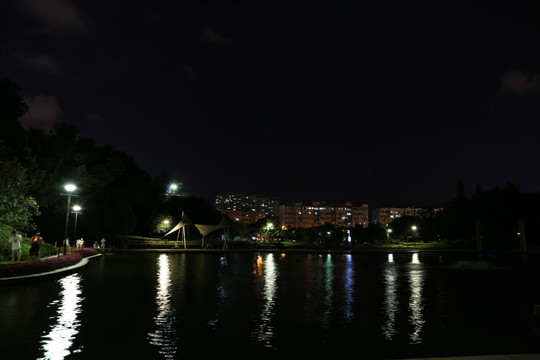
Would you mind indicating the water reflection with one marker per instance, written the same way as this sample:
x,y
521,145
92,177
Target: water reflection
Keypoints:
x,y
265,332
391,302
57,343
416,300
349,286
165,335
328,291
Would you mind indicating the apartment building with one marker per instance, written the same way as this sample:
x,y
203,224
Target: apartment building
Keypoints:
x,y
385,215
299,215
247,209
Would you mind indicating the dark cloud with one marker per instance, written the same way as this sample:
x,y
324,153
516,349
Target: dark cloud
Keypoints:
x,y
44,111
58,15
44,62
519,82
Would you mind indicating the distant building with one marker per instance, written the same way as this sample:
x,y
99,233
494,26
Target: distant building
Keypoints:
x,y
385,215
245,208
299,215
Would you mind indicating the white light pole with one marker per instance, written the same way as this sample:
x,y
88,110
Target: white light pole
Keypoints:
x,y
69,188
76,211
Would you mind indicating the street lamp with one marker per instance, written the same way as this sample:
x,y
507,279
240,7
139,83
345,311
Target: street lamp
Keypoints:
x,y
414,228
69,188
76,211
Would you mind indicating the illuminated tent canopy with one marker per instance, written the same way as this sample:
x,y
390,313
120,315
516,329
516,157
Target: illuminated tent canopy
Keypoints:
x,y
183,222
204,229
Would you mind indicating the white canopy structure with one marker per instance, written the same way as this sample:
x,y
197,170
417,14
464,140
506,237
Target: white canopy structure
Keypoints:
x,y
204,229
181,226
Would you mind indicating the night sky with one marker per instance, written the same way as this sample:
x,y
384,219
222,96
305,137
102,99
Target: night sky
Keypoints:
x,y
385,103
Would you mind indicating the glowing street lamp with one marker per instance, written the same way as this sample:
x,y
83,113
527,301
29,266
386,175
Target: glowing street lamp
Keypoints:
x,y
414,228
76,211
69,189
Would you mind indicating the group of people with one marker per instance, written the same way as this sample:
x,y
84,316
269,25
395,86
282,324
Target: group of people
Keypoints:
x,y
101,244
16,249
66,245
35,241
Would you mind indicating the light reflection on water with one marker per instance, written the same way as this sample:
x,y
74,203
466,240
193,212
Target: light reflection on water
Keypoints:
x,y
57,343
336,304
164,336
391,302
416,276
328,291
268,272
416,300
349,287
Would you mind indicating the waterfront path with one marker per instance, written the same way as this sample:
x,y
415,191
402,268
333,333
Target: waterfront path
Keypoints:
x,y
49,274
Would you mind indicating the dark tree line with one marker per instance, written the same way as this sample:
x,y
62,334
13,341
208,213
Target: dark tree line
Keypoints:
x,y
117,196
494,215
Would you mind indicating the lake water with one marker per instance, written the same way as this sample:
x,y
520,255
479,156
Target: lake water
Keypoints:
x,y
269,304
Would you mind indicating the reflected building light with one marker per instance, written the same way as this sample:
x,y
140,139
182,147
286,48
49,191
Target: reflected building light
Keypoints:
x,y
266,332
258,266
328,291
391,302
349,286
415,259
165,335
57,343
416,304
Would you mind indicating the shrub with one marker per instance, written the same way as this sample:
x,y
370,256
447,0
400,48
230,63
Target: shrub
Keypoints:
x,y
45,265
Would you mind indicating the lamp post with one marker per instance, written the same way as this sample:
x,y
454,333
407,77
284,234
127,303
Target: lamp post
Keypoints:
x,y
69,189
76,211
414,228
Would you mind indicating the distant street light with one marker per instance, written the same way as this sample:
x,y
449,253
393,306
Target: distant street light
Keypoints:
x,y
69,188
76,211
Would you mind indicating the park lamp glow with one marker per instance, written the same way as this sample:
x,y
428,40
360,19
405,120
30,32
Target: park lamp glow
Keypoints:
x,y
70,188
173,188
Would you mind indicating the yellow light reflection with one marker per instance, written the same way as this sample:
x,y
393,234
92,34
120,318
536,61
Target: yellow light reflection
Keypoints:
x,y
265,332
57,343
165,335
